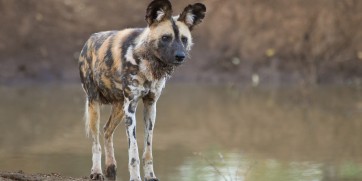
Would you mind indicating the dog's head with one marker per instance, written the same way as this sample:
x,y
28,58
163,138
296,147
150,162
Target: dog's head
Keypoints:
x,y
169,37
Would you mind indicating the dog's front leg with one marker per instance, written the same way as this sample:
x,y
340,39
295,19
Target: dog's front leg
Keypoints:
x,y
130,121
149,119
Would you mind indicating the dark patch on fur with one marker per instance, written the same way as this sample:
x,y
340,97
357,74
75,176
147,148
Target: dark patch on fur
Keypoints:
x,y
104,98
108,58
128,121
129,42
160,69
132,107
137,59
175,30
133,161
147,84
100,38
96,176
84,50
111,172
149,99
134,132
90,86
130,68
148,140
150,126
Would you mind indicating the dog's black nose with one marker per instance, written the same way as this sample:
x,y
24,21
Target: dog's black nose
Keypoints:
x,y
180,56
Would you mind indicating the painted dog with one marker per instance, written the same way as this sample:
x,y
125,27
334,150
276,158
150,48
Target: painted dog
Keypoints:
x,y
122,67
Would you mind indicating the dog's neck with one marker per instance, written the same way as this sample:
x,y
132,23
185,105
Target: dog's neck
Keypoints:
x,y
158,68
154,65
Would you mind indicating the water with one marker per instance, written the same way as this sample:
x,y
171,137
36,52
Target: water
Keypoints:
x,y
202,133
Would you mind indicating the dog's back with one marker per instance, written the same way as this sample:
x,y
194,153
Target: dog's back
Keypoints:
x,y
100,64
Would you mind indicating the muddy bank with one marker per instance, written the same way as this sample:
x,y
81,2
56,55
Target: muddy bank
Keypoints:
x,y
21,176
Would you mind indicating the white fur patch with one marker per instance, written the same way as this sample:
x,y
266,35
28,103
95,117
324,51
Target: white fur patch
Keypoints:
x,y
96,158
157,86
86,117
175,18
160,15
129,56
144,68
190,18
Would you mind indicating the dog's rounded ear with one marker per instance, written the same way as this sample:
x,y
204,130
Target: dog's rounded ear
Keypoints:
x,y
193,14
157,11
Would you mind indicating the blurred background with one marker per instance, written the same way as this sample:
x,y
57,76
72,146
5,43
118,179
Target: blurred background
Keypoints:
x,y
273,90
283,42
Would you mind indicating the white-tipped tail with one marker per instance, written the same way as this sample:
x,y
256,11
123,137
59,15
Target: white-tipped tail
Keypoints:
x,y
86,118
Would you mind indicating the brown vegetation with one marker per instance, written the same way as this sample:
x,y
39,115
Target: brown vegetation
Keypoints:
x,y
282,41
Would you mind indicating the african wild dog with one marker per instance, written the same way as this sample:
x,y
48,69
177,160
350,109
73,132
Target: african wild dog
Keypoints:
x,y
122,67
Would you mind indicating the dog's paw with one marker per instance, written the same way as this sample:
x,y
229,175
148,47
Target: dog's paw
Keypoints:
x,y
96,176
111,172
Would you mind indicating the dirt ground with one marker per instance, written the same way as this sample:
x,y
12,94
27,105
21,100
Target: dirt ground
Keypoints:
x,y
278,42
21,176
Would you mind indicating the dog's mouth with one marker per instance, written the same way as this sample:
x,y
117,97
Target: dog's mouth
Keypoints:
x,y
167,63
177,63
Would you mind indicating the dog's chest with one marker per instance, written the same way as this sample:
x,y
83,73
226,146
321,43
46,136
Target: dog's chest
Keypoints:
x,y
141,82
138,87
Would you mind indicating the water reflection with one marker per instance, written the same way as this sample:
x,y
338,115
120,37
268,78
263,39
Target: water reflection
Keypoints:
x,y
235,167
202,133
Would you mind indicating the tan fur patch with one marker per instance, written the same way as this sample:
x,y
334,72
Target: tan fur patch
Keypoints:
x,y
107,83
148,155
163,28
145,68
94,59
93,111
89,53
103,49
84,67
117,50
115,118
185,31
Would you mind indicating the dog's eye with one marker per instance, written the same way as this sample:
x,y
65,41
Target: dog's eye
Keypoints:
x,y
166,38
184,40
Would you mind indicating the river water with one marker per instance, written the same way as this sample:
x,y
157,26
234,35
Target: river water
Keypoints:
x,y
209,133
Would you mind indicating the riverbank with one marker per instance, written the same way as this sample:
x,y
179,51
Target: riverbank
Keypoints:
x,y
21,176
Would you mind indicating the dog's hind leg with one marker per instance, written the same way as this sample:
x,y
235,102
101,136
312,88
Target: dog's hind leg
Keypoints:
x,y
115,118
92,126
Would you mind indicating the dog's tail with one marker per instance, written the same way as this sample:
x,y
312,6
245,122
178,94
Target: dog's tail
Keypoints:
x,y
86,118
91,116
